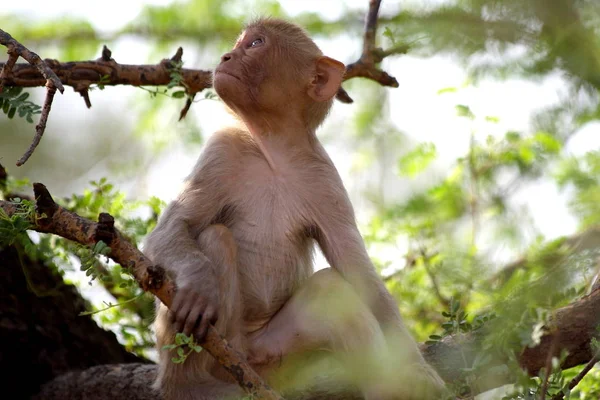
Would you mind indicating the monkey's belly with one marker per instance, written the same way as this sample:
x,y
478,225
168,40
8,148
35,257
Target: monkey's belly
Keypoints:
x,y
267,282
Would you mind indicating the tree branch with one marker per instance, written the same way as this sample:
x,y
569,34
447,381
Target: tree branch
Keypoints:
x,y
571,328
366,65
16,50
52,218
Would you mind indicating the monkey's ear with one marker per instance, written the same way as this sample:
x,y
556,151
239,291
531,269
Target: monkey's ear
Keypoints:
x,y
327,79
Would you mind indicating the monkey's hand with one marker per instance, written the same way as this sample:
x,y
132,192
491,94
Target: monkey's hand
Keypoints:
x,y
196,301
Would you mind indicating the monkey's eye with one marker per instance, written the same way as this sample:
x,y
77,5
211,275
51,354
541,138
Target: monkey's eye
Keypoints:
x,y
256,42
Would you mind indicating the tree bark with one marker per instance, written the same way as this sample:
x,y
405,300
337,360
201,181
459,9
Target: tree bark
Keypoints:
x,y
42,334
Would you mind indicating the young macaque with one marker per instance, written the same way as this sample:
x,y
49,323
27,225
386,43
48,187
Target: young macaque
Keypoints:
x,y
239,239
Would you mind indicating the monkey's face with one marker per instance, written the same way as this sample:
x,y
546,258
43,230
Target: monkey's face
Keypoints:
x,y
254,76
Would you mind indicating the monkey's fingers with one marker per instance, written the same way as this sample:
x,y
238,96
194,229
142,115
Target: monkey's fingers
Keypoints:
x,y
194,316
209,316
181,310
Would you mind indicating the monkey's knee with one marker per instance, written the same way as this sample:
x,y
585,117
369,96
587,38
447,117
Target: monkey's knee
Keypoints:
x,y
217,234
218,244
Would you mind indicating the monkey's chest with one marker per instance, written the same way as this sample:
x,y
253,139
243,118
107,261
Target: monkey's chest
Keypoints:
x,y
274,251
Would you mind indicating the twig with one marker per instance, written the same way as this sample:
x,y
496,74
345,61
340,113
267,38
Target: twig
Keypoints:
x,y
548,370
366,65
17,48
41,126
52,218
7,68
52,83
575,381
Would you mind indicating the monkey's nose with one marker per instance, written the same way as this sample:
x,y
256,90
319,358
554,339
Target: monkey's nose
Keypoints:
x,y
225,57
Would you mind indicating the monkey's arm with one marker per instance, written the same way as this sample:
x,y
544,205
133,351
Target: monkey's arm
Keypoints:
x,y
174,242
174,246
345,251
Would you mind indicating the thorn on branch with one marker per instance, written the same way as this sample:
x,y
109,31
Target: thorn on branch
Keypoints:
x,y
343,96
177,57
85,93
106,54
44,203
186,108
41,126
105,230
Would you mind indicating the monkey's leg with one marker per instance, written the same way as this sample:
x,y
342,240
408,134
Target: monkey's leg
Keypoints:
x,y
327,316
195,378
324,315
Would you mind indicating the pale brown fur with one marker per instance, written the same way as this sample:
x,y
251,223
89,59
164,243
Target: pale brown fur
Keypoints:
x,y
239,239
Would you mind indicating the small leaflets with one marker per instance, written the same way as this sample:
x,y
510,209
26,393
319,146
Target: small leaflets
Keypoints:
x,y
13,101
183,343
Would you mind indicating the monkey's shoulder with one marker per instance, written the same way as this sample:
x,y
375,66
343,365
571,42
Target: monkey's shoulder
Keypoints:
x,y
232,141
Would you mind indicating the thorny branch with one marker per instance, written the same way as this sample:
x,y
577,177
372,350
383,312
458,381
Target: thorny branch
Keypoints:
x,y
16,50
588,367
52,218
80,75
366,65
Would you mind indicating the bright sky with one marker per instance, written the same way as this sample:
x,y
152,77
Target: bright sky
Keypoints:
x,y
416,107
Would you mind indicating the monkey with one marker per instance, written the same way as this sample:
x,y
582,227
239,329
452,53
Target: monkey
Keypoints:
x,y
238,240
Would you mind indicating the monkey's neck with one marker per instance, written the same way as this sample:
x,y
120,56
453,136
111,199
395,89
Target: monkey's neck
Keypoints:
x,y
260,142
291,134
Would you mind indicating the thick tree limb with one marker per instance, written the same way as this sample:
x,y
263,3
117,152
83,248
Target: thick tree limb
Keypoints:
x,y
82,74
52,218
572,328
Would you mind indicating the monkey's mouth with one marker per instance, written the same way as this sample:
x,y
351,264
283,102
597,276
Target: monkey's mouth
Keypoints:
x,y
227,73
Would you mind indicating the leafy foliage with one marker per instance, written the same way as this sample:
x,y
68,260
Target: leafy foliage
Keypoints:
x,y
14,101
184,346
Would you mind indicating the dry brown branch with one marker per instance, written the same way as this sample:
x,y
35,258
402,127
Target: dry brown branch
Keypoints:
x,y
52,218
41,126
82,74
366,65
16,50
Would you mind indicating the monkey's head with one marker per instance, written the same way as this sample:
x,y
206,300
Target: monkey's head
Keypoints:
x,y
276,70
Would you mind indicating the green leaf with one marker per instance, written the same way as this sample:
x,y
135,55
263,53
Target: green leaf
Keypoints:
x,y
22,97
447,90
417,160
178,95
464,111
548,142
